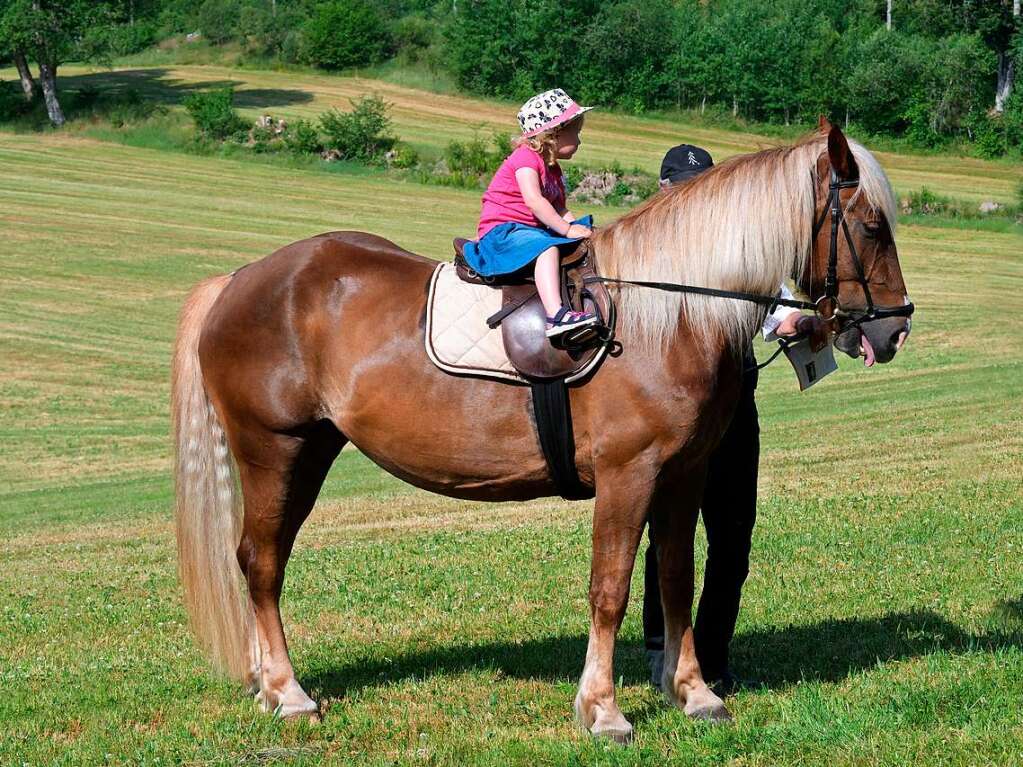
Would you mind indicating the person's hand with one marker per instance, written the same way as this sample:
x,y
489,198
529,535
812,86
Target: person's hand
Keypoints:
x,y
578,231
816,329
805,325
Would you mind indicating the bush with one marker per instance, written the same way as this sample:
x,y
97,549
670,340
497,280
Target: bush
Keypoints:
x,y
361,134
469,157
345,33
214,115
12,102
303,138
218,19
403,156
926,203
413,35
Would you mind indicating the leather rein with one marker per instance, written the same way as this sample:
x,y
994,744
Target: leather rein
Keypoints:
x,y
827,306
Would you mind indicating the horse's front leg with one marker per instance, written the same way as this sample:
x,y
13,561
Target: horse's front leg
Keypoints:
x,y
619,516
674,515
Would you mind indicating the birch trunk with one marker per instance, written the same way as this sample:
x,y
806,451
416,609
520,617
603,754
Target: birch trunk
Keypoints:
x,y
48,79
28,85
888,17
1006,71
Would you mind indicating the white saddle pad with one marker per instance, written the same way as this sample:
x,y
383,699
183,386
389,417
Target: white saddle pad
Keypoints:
x,y
458,339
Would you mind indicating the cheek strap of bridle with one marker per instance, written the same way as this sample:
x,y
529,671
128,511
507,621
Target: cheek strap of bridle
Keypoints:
x,y
834,207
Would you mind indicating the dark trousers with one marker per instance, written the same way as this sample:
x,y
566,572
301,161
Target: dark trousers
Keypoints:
x,y
729,511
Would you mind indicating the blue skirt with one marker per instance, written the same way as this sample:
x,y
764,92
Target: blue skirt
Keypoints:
x,y
509,247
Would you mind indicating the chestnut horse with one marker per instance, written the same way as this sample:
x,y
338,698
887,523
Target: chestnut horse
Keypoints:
x,y
280,364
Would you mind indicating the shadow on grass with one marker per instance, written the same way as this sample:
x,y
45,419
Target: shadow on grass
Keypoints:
x,y
827,651
159,86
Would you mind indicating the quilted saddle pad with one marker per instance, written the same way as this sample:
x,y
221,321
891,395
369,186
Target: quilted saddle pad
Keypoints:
x,y
458,339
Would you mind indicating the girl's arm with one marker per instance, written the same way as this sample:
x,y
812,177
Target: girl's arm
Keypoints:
x,y
529,184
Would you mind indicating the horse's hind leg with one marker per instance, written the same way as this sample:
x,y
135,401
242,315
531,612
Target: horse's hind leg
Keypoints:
x,y
674,526
280,481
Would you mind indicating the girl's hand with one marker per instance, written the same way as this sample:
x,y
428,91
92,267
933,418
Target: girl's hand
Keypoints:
x,y
578,231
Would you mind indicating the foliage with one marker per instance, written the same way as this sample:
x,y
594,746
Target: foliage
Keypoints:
x,y
403,156
214,115
345,33
12,103
218,19
361,134
303,138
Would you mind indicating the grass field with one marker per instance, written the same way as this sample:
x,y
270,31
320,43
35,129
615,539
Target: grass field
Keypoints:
x,y
885,606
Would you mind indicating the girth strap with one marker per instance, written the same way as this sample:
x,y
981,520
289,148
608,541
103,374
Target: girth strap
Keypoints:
x,y
554,430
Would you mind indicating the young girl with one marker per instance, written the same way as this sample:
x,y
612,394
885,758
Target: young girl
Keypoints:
x,y
523,218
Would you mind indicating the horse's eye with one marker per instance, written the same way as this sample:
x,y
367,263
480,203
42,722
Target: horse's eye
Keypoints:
x,y
871,228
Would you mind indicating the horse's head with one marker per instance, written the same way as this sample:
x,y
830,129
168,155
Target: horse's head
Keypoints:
x,y
853,271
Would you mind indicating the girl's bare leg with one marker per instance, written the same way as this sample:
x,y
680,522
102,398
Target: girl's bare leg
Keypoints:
x,y
548,281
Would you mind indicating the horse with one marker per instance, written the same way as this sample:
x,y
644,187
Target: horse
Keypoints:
x,y
280,364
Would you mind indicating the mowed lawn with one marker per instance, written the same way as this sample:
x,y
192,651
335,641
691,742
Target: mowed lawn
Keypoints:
x,y
884,610
428,121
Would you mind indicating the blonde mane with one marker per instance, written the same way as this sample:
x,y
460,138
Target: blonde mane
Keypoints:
x,y
742,225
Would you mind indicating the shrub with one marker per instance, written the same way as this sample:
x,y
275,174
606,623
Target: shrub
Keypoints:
x,y
345,33
403,156
472,158
12,103
218,19
925,202
469,157
413,35
303,138
214,115
361,134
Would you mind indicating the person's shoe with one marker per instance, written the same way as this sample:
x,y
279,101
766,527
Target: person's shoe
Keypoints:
x,y
567,320
655,659
727,684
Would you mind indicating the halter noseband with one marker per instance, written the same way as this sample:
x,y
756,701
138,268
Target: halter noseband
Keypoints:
x,y
827,305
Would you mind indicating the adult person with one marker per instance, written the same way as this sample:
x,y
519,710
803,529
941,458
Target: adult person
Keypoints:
x,y
729,507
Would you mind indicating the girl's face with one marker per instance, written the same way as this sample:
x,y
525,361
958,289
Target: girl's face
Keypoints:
x,y
568,139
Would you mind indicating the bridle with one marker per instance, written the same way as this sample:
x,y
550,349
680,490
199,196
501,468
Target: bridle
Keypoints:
x,y
827,306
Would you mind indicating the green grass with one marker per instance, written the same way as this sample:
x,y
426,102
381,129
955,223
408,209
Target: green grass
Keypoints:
x,y
885,606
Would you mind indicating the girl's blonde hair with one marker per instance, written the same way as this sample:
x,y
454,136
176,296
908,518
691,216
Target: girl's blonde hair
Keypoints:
x,y
546,144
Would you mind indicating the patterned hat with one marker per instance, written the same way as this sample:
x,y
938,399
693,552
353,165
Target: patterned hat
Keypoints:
x,y
548,110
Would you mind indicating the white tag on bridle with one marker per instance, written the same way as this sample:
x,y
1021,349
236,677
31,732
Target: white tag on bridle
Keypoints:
x,y
810,366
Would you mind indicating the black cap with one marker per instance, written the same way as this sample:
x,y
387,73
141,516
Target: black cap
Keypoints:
x,y
684,161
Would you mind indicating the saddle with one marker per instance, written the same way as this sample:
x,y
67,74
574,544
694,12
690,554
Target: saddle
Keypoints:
x,y
523,320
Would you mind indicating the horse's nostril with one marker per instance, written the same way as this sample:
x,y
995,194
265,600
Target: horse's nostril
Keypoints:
x,y
898,338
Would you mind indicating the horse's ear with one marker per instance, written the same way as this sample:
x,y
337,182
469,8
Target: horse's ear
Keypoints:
x,y
823,124
841,155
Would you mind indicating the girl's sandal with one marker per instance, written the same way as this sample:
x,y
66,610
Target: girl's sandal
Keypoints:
x,y
566,320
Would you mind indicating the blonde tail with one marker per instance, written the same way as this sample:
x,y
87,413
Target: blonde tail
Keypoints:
x,y
208,511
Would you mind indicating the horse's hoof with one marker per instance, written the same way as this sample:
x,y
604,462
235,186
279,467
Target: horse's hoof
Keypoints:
x,y
617,732
709,712
299,711
613,726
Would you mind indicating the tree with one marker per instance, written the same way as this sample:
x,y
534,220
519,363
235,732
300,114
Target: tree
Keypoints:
x,y
345,33
48,31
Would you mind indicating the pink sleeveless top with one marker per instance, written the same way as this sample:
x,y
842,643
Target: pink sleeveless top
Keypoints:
x,y
503,202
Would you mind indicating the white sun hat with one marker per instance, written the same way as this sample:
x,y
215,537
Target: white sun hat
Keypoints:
x,y
548,110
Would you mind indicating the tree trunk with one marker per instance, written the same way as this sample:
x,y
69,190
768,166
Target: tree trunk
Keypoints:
x,y
48,79
1006,71
28,85
735,106
888,17
1005,77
